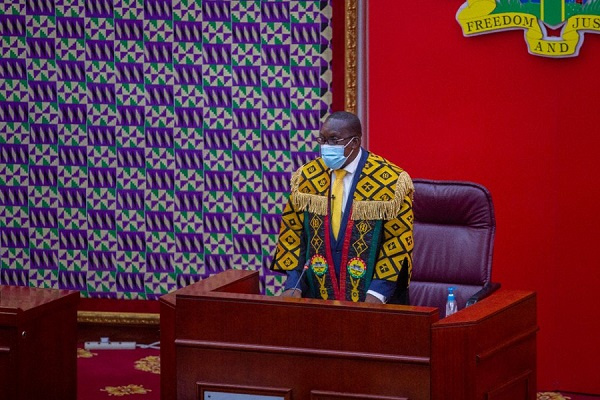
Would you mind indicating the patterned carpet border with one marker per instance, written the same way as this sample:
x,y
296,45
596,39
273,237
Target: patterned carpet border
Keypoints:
x,y
551,396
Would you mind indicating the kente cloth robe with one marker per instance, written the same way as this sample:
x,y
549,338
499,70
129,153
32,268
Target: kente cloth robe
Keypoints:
x,y
375,241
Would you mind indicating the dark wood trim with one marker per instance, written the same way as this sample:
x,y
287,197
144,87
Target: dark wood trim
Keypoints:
x,y
498,392
528,335
350,55
302,351
321,395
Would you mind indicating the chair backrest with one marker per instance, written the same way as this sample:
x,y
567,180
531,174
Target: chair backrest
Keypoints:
x,y
454,238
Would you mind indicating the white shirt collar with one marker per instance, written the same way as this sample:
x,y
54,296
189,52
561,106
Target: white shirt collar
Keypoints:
x,y
351,168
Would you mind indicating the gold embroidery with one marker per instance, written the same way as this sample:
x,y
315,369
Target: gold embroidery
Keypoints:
x,y
322,289
125,390
551,396
354,291
360,245
379,193
309,187
288,245
83,353
149,364
316,240
383,204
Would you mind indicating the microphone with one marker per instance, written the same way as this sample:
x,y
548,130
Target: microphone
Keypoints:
x,y
300,278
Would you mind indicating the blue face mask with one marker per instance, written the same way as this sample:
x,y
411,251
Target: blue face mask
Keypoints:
x,y
333,155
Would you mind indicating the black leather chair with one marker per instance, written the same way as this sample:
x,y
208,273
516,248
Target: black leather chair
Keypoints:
x,y
454,233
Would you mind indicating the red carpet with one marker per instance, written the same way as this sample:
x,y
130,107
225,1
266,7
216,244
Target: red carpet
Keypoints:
x,y
135,374
118,374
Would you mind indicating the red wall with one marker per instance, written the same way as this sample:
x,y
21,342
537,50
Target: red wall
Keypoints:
x,y
482,109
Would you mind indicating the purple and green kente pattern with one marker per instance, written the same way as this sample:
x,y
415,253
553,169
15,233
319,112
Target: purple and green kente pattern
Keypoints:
x,y
147,144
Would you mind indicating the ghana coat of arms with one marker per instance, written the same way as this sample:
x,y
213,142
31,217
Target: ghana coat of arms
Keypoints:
x,y
553,28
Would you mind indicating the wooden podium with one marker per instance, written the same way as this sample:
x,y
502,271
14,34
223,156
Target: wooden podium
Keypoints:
x,y
221,336
38,343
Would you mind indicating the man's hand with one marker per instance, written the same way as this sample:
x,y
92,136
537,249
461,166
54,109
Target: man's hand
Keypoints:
x,y
372,299
292,293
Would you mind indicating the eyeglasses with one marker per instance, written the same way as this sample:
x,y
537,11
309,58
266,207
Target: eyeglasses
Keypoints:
x,y
334,141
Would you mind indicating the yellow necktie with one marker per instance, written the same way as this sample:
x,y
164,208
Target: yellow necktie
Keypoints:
x,y
337,199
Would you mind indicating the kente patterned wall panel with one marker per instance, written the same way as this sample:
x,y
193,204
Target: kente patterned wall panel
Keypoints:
x,y
146,144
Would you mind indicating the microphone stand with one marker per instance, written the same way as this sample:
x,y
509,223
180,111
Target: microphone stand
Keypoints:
x,y
300,278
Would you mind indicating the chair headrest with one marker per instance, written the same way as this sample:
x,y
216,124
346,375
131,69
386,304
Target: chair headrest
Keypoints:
x,y
453,203
453,233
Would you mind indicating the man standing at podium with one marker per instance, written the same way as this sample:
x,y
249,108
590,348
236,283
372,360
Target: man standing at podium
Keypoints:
x,y
346,232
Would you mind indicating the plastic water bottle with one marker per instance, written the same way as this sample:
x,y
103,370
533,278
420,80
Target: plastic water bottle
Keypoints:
x,y
451,306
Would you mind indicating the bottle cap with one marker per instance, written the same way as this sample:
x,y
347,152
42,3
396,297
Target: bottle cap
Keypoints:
x,y
451,293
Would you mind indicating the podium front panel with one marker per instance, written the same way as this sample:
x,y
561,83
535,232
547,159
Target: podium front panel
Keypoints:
x,y
303,345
